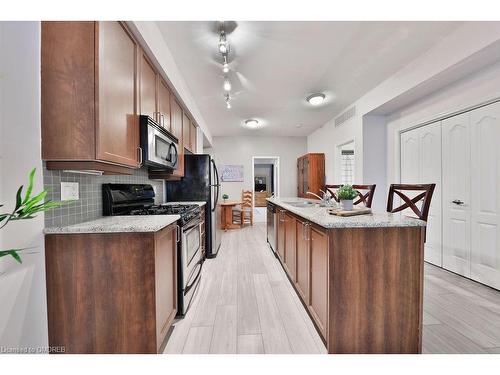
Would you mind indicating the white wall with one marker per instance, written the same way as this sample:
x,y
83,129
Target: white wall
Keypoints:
x,y
239,150
472,90
451,52
23,312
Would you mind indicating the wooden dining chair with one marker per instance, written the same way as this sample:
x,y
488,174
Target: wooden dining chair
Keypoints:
x,y
367,197
426,196
244,213
332,189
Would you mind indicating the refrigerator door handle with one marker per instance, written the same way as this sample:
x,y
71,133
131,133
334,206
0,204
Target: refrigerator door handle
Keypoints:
x,y
217,185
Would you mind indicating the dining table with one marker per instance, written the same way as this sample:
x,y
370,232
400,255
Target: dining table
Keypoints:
x,y
227,215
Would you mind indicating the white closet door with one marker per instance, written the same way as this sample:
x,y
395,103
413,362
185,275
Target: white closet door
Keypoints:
x,y
485,195
456,193
410,157
430,172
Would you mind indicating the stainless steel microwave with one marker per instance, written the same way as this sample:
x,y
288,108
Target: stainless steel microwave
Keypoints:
x,y
159,146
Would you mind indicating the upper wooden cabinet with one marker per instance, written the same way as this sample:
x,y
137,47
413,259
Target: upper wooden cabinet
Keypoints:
x,y
164,104
176,128
89,96
148,88
310,175
193,137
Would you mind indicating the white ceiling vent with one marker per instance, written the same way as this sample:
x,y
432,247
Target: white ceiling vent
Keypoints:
x,y
345,116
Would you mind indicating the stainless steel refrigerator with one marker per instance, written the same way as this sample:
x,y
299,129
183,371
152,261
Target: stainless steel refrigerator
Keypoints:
x,y
200,183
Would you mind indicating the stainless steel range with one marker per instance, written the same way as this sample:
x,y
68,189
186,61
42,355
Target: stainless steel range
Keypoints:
x,y
138,199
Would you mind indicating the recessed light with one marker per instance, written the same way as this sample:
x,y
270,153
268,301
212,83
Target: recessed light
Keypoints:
x,y
252,123
316,99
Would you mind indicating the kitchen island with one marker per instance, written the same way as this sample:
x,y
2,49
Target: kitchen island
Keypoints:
x,y
360,278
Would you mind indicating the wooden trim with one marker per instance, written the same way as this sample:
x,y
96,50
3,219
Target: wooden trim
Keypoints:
x,y
89,165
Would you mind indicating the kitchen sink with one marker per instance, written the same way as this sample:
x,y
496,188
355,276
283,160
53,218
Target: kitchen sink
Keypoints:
x,y
301,204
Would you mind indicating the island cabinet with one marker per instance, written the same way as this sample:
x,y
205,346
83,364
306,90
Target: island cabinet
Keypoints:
x,y
362,286
89,121
111,292
290,256
281,234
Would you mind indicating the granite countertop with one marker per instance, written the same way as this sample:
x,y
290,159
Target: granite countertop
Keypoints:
x,y
199,203
319,215
118,224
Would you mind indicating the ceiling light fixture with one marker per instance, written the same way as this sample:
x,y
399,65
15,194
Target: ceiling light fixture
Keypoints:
x,y
252,123
228,101
316,99
225,66
223,43
227,84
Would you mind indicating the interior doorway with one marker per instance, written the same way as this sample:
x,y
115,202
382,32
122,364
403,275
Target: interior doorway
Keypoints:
x,y
265,179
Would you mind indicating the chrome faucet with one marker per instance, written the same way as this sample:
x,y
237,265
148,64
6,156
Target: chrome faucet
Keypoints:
x,y
326,199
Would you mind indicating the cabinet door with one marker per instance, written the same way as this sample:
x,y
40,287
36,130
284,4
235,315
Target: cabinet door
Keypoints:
x,y
430,172
165,281
176,129
485,195
281,234
290,246
303,274
192,136
148,88
186,129
456,187
319,277
305,176
164,104
118,125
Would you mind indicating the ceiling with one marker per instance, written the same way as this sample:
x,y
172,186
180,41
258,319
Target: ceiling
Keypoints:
x,y
275,65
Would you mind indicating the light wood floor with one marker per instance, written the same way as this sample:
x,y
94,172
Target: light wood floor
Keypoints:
x,y
246,304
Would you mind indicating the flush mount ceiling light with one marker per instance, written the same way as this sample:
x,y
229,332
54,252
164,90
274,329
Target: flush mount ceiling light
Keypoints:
x,y
316,99
251,123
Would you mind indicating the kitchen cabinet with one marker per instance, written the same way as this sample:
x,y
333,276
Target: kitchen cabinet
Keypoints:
x,y
281,234
176,128
111,292
289,260
319,276
193,137
164,104
186,131
357,306
303,255
148,88
88,121
310,175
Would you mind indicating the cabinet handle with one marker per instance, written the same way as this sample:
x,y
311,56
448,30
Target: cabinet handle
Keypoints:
x,y
140,155
156,116
458,202
177,233
162,119
307,232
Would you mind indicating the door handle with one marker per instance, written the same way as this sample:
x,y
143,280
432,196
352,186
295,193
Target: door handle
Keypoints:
x,y
457,202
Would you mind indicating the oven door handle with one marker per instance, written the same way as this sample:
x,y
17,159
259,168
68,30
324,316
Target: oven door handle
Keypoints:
x,y
190,286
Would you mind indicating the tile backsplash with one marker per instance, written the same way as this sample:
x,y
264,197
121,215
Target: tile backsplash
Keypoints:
x,y
89,206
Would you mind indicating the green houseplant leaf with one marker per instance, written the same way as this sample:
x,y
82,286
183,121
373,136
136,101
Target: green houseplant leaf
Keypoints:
x,y
347,192
25,209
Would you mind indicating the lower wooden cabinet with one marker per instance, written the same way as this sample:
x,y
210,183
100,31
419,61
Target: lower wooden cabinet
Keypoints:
x,y
111,292
281,234
318,301
303,261
290,245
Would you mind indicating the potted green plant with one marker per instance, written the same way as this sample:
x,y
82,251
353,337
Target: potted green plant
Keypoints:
x,y
24,209
225,197
346,194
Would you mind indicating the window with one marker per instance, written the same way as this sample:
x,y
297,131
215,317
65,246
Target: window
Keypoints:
x,y
347,166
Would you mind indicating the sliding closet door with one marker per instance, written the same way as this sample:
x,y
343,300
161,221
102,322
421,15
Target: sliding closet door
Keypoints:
x,y
485,195
456,193
430,172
